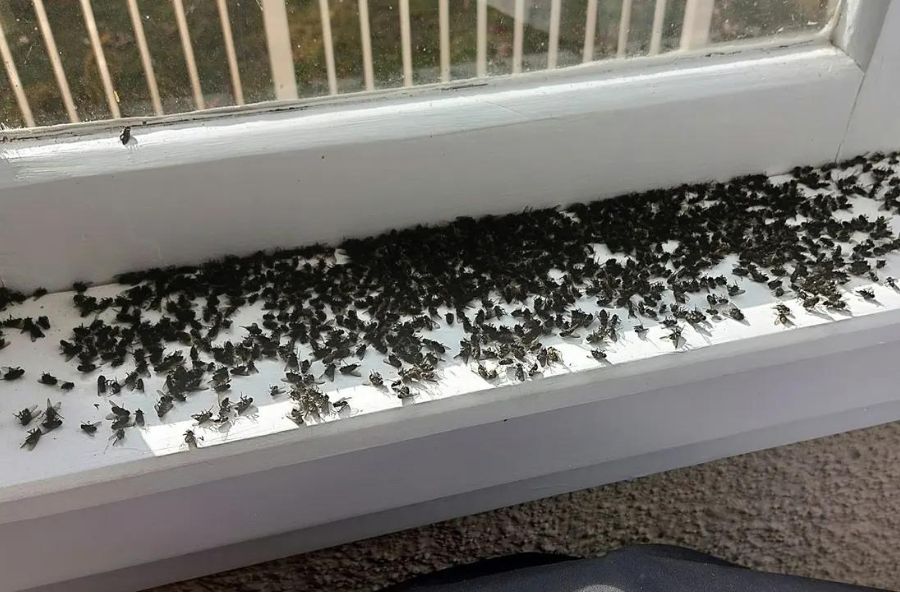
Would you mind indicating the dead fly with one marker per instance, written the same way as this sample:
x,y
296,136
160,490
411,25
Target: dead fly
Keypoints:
x,y
125,136
340,404
221,375
66,386
598,354
891,282
244,403
597,337
350,370
836,304
118,436
866,294
90,428
404,392
139,418
118,411
640,329
27,415
487,374
13,373
121,422
87,367
783,314
190,438
222,387
547,356
376,379
735,313
134,382
48,379
202,417
329,371
101,386
713,300
520,372
394,361
244,370
275,391
34,436
674,336
809,302
52,418
164,405
735,290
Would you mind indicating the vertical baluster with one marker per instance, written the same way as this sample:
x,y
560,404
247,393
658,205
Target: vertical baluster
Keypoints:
x,y
144,51
328,43
14,81
366,35
278,41
590,30
111,99
553,42
230,54
406,43
55,62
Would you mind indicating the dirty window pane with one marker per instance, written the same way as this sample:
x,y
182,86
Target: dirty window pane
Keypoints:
x,y
136,58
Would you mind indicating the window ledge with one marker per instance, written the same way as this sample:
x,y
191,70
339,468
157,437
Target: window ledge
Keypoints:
x,y
746,387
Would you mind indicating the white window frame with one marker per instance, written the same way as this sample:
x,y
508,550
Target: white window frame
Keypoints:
x,y
279,176
198,188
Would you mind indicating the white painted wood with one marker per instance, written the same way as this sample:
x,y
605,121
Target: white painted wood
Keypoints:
x,y
233,69
278,41
874,124
518,36
266,166
444,27
144,51
188,49
424,513
112,100
590,31
55,62
366,36
624,29
328,43
481,38
696,24
599,426
406,43
14,82
858,27
659,21
553,42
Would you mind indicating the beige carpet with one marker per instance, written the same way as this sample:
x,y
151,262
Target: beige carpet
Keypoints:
x,y
825,508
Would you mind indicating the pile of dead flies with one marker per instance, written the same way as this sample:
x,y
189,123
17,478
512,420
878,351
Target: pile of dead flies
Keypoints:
x,y
793,234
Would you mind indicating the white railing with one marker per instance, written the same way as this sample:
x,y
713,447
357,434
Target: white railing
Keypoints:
x,y
694,34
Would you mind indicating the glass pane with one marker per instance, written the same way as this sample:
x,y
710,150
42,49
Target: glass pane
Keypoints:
x,y
252,51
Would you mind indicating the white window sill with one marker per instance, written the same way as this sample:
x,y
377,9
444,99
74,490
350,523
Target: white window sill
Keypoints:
x,y
744,387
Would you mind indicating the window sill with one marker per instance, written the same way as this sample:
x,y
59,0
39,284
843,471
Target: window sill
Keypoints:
x,y
747,387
